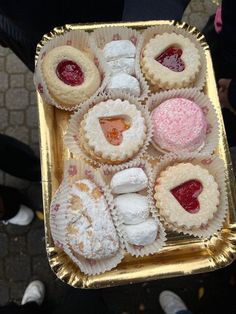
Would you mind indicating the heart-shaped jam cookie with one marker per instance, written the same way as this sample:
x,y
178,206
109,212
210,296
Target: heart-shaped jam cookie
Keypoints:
x,y
171,58
70,73
187,194
113,128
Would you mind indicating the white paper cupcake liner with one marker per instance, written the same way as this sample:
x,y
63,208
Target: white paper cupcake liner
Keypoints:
x,y
80,40
106,34
193,35
213,129
73,138
75,170
216,168
154,247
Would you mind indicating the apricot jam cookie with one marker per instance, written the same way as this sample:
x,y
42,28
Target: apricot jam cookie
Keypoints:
x,y
114,130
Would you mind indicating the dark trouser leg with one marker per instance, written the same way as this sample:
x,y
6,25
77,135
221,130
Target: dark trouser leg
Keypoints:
x,y
10,200
154,10
18,159
82,301
28,308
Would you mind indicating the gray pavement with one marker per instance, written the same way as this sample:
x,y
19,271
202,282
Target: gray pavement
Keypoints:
x,y
22,249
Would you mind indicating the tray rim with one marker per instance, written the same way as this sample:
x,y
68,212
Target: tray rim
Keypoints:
x,y
227,234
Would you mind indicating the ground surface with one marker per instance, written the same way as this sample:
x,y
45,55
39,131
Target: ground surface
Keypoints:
x,y
22,251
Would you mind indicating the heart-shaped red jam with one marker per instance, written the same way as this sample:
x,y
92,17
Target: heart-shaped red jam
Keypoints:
x,y
170,58
187,194
70,73
113,128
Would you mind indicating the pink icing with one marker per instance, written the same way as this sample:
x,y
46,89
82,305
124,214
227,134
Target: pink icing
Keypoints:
x,y
179,124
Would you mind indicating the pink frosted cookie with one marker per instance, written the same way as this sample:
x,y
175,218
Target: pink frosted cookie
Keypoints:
x,y
179,125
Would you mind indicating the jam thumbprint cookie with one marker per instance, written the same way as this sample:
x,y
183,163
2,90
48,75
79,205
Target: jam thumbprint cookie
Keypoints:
x,y
187,196
70,75
170,61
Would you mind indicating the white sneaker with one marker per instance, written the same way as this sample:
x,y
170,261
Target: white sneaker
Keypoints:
x,y
171,302
35,292
23,218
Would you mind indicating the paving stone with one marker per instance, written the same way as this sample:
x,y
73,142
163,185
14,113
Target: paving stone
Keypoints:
x,y
2,102
17,291
41,268
197,5
36,242
18,244
3,244
1,268
4,291
14,230
17,80
210,7
17,117
32,116
33,99
19,132
198,19
17,98
18,267
35,136
14,65
2,64
3,81
29,81
3,118
4,51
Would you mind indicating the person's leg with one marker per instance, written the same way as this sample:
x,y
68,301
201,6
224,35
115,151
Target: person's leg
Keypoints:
x,y
18,159
171,303
11,209
154,10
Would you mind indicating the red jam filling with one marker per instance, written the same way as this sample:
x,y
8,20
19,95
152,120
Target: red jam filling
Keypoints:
x,y
170,58
187,194
113,128
70,73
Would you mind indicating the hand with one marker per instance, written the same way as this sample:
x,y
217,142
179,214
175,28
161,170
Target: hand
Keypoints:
x,y
223,93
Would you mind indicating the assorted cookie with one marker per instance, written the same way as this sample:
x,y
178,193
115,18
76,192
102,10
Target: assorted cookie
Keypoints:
x,y
187,196
120,56
89,228
179,124
70,75
140,229
170,61
111,129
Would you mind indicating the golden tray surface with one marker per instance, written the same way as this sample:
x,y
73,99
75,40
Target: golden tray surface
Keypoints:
x,y
182,255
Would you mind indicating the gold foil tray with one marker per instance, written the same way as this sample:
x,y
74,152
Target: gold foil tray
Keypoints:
x,y
182,255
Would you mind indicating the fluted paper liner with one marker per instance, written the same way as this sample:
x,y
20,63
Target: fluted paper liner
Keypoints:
x,y
215,166
156,246
75,170
195,36
75,141
106,34
213,130
80,40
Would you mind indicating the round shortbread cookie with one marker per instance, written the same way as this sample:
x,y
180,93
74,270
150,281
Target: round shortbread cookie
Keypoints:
x,y
71,76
